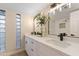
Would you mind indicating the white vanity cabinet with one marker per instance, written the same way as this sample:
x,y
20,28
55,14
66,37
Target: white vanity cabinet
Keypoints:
x,y
36,48
30,46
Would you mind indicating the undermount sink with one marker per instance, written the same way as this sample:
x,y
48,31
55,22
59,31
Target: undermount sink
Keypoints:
x,y
55,41
63,44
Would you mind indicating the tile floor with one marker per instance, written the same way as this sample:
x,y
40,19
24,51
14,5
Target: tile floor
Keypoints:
x,y
23,53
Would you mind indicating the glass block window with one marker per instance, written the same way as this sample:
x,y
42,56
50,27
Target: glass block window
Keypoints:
x,y
18,30
2,30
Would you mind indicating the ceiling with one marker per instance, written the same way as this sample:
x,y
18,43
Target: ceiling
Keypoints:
x,y
26,8
31,8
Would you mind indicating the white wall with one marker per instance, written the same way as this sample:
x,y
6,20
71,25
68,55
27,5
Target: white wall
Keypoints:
x,y
10,30
74,23
26,27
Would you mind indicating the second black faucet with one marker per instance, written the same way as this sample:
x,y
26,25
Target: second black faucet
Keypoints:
x,y
61,35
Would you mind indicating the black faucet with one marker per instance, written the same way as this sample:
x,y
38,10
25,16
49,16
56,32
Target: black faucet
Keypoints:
x,y
61,35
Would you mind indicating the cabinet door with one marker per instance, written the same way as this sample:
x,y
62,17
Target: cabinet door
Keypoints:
x,y
27,45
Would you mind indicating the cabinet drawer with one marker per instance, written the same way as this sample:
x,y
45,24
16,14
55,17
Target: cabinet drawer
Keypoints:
x,y
33,51
33,43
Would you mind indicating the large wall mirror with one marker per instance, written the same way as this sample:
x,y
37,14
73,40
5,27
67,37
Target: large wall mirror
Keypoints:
x,y
65,21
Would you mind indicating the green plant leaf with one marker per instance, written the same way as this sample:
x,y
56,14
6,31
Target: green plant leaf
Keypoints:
x,y
41,18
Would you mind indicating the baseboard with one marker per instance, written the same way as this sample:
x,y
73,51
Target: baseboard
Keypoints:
x,y
15,51
10,53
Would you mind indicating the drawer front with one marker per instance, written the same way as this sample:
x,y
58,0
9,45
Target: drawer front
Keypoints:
x,y
30,46
34,47
27,45
33,51
33,43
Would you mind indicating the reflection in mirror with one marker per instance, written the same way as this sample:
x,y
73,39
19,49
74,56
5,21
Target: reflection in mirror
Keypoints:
x,y
65,21
62,25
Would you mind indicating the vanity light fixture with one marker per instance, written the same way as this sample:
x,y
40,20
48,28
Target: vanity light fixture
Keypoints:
x,y
59,7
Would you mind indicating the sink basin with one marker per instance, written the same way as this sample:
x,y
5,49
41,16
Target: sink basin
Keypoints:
x,y
63,44
55,41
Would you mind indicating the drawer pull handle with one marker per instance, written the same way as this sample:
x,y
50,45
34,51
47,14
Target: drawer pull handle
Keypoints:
x,y
32,42
32,50
26,41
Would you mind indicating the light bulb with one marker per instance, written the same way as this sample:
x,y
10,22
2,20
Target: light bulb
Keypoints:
x,y
53,12
50,10
60,9
69,5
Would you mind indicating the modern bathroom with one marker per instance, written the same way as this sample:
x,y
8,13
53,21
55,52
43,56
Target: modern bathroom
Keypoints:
x,y
58,35
39,29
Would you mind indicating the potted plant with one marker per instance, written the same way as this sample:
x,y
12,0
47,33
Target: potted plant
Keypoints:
x,y
42,20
